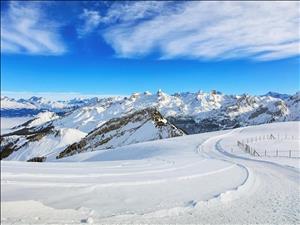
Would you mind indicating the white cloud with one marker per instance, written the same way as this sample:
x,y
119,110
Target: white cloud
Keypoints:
x,y
53,95
91,20
119,12
24,29
211,30
135,10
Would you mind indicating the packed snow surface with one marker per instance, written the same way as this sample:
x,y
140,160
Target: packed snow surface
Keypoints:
x,y
203,178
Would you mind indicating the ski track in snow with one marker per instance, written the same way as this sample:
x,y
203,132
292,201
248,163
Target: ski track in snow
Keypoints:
x,y
214,186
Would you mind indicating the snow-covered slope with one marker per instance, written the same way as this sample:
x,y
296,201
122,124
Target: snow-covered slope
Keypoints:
x,y
7,123
37,138
48,141
140,126
41,118
294,107
43,143
184,180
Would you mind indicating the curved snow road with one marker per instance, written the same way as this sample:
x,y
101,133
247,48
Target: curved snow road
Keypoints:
x,y
274,193
270,195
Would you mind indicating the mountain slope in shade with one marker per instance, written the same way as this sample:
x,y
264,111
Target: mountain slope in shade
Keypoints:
x,y
277,95
140,126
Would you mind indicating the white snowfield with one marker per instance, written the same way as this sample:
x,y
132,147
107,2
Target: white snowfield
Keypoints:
x,y
8,123
41,118
200,179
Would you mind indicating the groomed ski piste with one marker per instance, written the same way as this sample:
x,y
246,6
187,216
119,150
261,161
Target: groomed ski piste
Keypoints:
x,y
201,179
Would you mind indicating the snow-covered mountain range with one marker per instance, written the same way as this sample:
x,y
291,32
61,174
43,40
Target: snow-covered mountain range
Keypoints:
x,y
95,124
192,112
11,107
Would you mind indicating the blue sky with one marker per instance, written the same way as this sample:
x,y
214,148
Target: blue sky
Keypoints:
x,y
116,48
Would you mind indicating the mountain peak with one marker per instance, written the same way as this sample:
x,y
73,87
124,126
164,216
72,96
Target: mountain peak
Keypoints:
x,y
160,93
134,95
35,98
277,95
143,125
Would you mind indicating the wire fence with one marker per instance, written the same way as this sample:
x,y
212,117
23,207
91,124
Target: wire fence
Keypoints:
x,y
269,137
246,147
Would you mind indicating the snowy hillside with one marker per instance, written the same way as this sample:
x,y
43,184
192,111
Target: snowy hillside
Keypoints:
x,y
7,123
140,126
38,139
42,146
39,119
203,177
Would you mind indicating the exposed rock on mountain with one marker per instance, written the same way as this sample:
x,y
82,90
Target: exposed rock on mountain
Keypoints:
x,y
41,141
144,125
18,139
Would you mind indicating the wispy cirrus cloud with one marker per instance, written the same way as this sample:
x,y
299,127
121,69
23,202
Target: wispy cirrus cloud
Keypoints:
x,y
118,12
204,30
91,20
26,30
133,11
